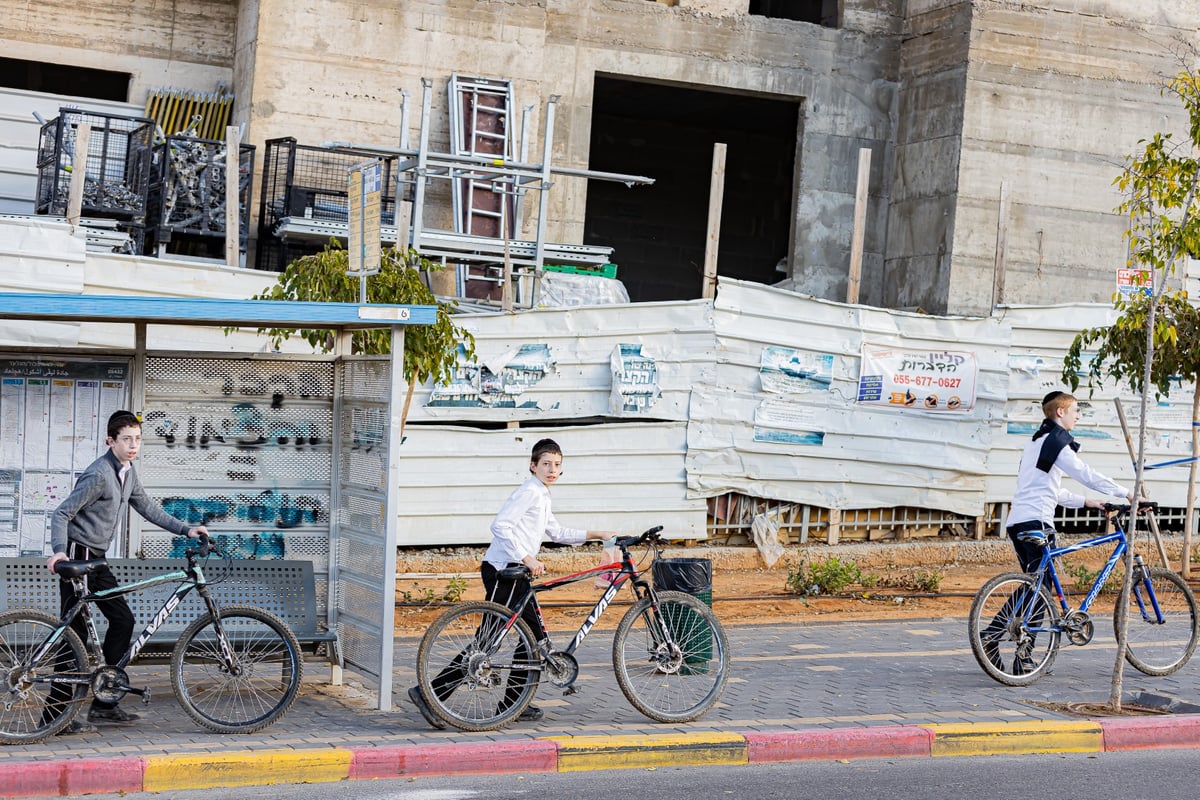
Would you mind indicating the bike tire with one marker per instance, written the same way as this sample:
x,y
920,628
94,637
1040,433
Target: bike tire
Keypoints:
x,y
996,632
1160,649
26,715
679,679
269,670
464,672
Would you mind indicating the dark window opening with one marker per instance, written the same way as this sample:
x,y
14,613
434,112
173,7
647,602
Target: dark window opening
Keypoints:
x,y
658,232
818,12
37,76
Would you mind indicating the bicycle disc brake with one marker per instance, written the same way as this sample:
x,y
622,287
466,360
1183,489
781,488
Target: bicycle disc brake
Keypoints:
x,y
1078,626
562,669
109,684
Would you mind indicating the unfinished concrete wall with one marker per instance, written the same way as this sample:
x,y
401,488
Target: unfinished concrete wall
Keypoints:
x,y
921,219
181,43
331,71
1058,93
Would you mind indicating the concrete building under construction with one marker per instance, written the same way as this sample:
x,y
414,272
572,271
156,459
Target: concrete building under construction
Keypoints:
x,y
994,128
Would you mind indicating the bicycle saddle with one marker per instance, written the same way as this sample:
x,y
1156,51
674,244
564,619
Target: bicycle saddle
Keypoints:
x,y
514,573
73,569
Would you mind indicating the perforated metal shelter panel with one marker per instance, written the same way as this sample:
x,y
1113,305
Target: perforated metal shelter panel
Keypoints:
x,y
361,533
244,446
278,586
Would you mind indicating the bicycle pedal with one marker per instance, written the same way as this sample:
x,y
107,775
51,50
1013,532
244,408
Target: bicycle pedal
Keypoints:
x,y
570,690
145,693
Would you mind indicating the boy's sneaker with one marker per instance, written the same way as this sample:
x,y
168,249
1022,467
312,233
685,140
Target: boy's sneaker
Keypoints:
x,y
531,714
112,716
78,726
418,700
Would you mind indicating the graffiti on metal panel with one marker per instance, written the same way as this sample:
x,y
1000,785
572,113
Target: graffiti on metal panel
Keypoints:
x,y
246,426
249,546
269,507
499,384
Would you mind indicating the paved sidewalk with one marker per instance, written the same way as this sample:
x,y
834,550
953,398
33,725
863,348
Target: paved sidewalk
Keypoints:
x,y
815,691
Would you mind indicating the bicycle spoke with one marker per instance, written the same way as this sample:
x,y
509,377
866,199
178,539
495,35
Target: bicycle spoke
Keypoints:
x,y
252,691
676,676
1154,647
1013,629
30,708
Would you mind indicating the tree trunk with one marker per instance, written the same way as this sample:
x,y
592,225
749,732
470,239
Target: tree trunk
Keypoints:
x,y
1189,522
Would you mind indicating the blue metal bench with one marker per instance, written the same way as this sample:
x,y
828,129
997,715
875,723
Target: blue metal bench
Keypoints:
x,y
285,588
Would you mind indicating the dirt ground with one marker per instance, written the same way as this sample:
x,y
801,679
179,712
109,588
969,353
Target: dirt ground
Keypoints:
x,y
740,596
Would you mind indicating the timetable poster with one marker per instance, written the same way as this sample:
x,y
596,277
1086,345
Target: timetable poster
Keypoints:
x,y
52,418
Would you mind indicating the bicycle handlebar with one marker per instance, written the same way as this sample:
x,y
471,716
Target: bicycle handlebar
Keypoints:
x,y
207,546
651,536
1124,508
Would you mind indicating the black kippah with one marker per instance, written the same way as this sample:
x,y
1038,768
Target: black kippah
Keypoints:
x,y
1051,396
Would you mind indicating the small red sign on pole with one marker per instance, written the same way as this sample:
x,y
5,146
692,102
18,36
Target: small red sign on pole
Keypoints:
x,y
1135,280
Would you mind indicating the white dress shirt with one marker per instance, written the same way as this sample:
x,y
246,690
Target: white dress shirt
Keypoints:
x,y
1039,492
521,523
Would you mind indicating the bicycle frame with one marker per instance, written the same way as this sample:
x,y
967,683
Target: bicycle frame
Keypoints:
x,y
1046,568
623,572
192,578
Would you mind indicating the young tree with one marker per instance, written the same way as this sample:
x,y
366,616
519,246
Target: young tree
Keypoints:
x,y
1153,339
431,352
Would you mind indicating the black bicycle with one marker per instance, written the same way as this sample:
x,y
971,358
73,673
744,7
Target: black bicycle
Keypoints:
x,y
479,664
235,670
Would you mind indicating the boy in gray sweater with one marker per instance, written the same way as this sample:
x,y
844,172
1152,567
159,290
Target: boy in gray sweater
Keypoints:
x,y
83,527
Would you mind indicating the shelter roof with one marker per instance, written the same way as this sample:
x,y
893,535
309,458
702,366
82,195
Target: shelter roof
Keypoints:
x,y
208,311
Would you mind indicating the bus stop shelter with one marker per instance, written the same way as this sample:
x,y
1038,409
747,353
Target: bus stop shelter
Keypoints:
x,y
283,456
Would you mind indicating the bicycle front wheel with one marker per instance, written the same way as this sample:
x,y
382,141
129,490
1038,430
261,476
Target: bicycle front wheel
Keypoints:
x,y
1002,614
245,688
472,676
1160,648
28,712
671,661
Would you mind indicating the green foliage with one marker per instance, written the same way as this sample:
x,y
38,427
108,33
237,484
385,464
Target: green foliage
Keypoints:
x,y
1082,578
1159,185
430,351
827,576
427,596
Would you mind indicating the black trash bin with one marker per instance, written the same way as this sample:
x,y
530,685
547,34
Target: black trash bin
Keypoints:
x,y
691,576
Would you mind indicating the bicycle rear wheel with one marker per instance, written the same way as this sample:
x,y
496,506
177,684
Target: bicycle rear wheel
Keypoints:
x,y
679,677
470,677
26,713
1000,638
252,692
1160,648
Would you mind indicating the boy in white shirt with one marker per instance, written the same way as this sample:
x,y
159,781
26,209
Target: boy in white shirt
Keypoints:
x,y
517,532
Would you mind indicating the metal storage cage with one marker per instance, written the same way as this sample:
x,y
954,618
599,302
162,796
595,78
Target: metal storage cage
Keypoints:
x,y
305,199
118,165
187,203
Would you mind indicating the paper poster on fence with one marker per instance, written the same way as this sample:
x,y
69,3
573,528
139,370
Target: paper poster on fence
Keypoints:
x,y
940,381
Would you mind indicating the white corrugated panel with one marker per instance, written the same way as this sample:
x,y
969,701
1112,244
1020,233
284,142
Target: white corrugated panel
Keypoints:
x,y
1041,336
19,133
858,456
580,343
619,476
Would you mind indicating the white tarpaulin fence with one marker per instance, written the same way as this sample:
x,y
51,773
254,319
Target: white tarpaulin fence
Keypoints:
x,y
662,406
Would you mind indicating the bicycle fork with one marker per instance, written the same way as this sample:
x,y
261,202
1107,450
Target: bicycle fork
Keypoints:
x,y
1142,579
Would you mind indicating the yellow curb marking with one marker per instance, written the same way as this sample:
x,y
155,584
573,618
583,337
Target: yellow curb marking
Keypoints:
x,y
577,753
245,768
1047,736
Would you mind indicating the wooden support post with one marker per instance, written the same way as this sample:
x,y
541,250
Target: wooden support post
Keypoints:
x,y
83,139
716,198
1001,263
981,526
858,237
1162,551
834,532
233,217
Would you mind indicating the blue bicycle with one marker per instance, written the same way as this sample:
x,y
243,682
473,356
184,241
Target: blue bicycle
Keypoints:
x,y
1018,620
